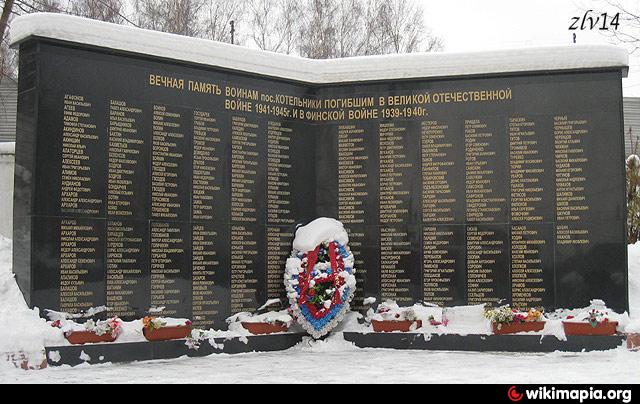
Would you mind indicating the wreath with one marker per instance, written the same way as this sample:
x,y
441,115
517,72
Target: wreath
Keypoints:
x,y
320,286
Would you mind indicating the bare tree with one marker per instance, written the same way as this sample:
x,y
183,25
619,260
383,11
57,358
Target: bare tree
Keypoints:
x,y
318,32
262,15
275,24
628,31
103,10
318,29
288,28
174,16
217,16
8,61
331,28
402,29
7,10
350,29
8,56
39,6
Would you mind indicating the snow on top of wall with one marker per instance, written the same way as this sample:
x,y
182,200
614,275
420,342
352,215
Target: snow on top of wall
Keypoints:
x,y
7,148
419,65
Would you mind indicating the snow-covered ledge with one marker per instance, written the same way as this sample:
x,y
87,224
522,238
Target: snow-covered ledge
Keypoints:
x,y
420,65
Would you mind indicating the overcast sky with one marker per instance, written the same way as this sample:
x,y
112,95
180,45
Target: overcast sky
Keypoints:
x,y
473,25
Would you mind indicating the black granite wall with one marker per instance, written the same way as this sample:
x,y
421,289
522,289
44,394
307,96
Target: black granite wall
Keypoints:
x,y
143,183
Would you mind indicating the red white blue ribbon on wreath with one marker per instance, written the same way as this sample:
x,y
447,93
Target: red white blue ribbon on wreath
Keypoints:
x,y
306,274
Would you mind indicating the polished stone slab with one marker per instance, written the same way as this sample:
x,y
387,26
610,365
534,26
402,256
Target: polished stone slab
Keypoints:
x,y
147,351
484,343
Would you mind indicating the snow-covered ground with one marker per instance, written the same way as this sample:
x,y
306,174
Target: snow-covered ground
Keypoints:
x,y
297,364
634,281
300,364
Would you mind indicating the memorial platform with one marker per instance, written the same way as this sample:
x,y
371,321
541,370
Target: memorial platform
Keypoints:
x,y
147,351
485,343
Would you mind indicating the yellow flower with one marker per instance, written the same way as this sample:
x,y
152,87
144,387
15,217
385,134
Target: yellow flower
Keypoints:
x,y
534,315
148,321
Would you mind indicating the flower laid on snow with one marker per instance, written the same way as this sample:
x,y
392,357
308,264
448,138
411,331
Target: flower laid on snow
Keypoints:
x,y
111,327
436,323
421,314
115,324
507,315
195,339
596,317
535,315
390,311
153,323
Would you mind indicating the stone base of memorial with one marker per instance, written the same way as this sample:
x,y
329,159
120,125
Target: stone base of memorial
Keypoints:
x,y
396,326
88,337
606,328
526,343
166,333
633,342
265,328
95,354
517,328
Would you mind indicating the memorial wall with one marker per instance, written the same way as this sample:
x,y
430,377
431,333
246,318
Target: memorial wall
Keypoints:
x,y
144,183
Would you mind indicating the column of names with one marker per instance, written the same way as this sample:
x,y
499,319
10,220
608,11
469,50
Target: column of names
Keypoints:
x,y
484,204
280,217
206,267
78,174
125,269
79,252
571,161
244,215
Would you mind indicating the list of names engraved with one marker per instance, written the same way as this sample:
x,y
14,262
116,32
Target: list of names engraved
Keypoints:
x,y
167,256
244,214
279,172
244,170
357,243
126,144
439,265
484,248
571,160
438,162
79,249
527,270
206,268
279,204
124,267
483,203
394,194
278,250
395,248
244,269
352,174
79,179
206,165
527,171
167,155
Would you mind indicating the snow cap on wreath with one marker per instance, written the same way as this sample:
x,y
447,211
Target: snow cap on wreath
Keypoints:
x,y
320,276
